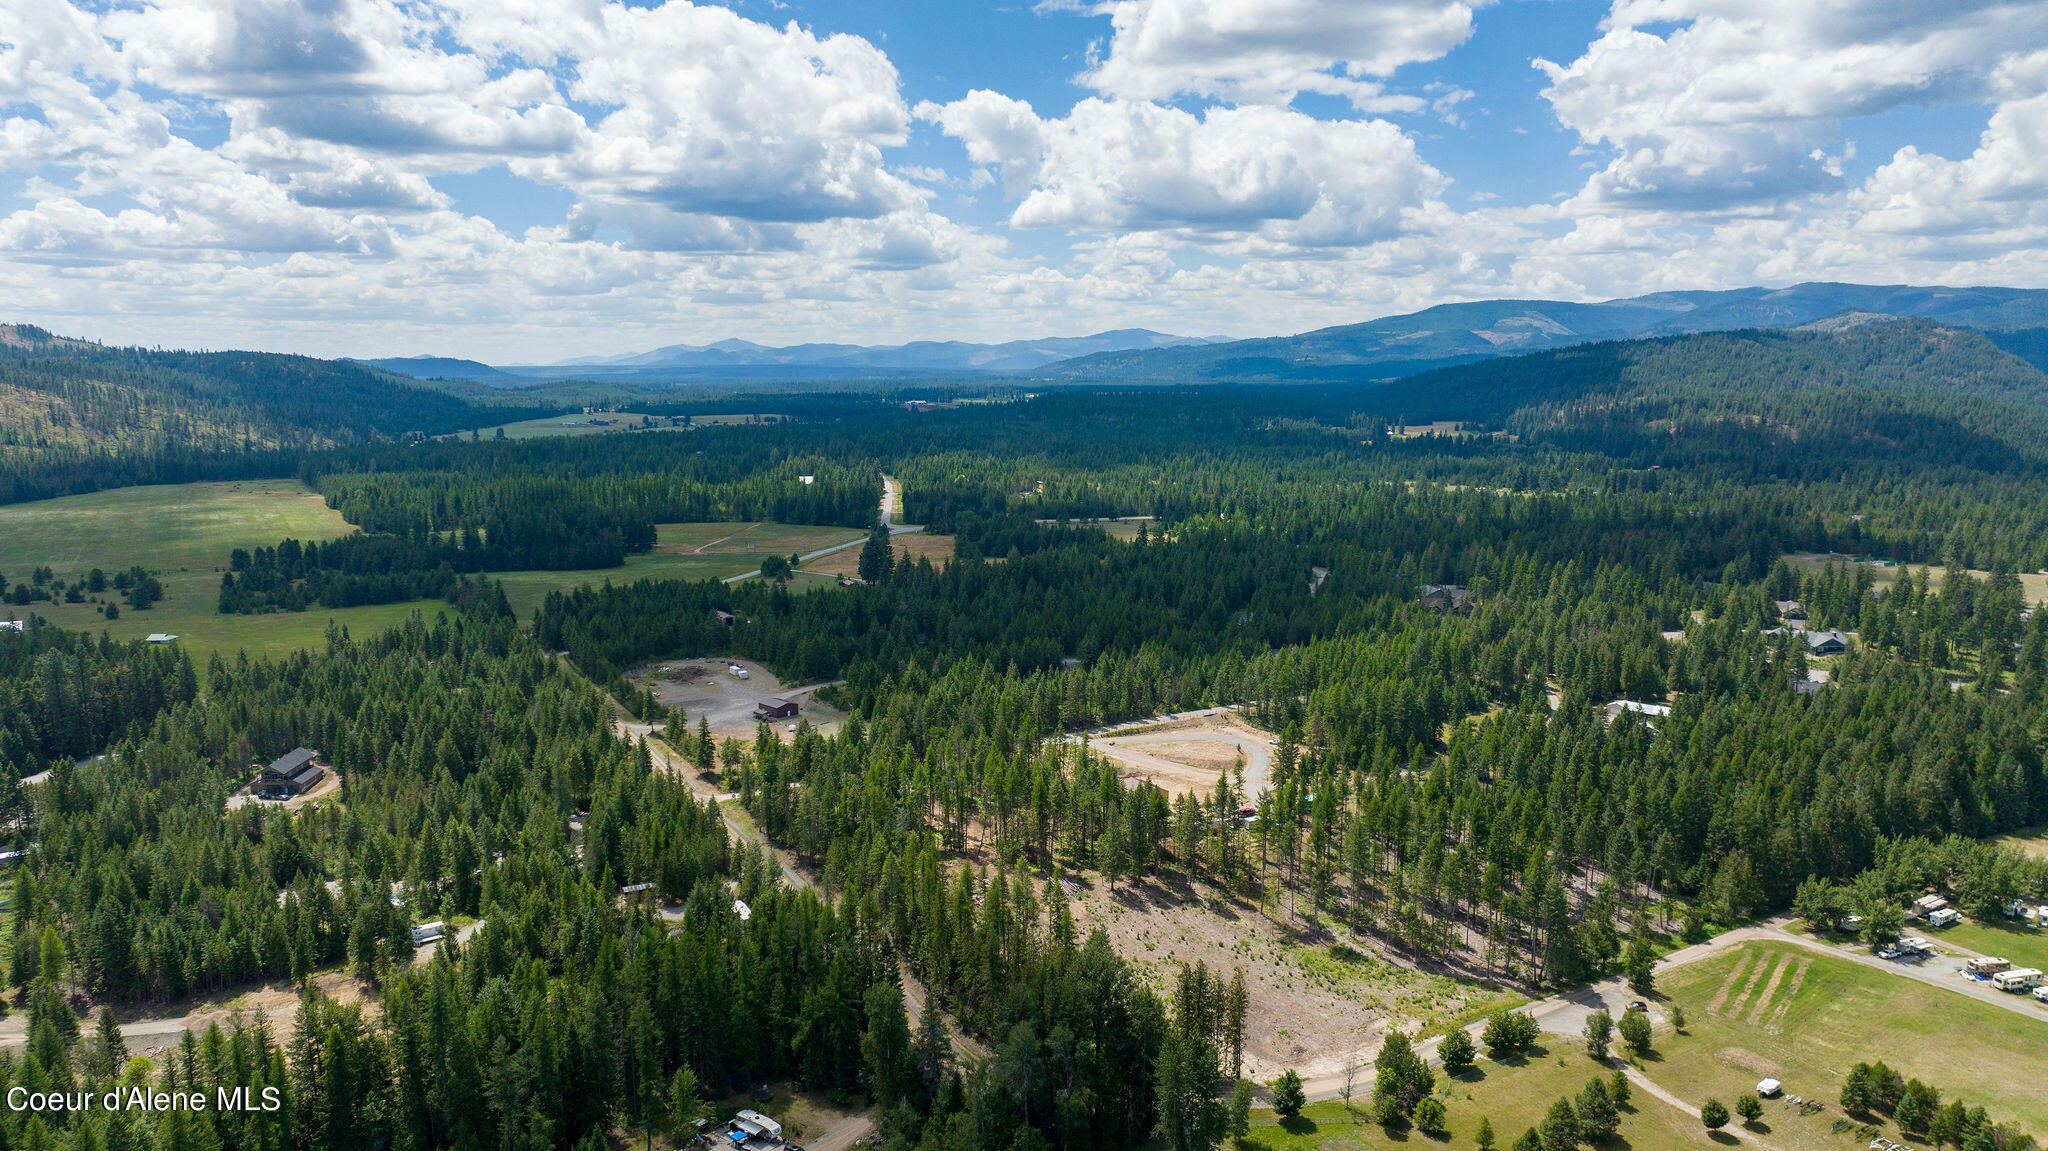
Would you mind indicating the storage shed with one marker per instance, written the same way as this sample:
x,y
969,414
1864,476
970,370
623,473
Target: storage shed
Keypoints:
x,y
775,707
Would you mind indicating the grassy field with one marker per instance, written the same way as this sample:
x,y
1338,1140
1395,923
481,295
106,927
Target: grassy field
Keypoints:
x,y
685,552
1784,1011
2025,946
1513,1097
2033,841
184,533
910,548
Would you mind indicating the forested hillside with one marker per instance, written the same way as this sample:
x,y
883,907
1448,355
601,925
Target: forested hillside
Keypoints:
x,y
78,416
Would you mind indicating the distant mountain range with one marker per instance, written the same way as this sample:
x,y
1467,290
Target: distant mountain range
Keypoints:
x,y
1385,348
743,359
1464,333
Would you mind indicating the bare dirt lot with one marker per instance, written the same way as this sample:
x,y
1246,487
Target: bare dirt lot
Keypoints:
x,y
714,693
154,1027
1189,754
1319,1004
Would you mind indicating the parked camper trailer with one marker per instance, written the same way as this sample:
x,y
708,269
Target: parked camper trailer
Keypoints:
x,y
2017,979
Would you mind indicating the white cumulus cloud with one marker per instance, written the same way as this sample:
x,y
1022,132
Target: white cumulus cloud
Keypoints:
x,y
1731,104
1259,170
1268,51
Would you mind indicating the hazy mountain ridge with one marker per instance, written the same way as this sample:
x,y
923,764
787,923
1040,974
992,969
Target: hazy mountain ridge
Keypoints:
x,y
746,358
1384,348
1455,333
438,368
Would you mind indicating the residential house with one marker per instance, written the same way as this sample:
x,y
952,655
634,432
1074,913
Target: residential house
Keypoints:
x,y
293,773
1826,643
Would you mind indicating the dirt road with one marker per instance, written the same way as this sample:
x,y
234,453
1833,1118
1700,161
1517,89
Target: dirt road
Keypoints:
x,y
842,1135
736,821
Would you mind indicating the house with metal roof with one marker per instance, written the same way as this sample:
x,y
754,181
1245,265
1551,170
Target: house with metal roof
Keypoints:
x,y
293,773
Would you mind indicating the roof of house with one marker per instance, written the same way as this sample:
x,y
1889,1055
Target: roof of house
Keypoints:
x,y
290,762
13,625
775,703
160,637
1816,639
295,766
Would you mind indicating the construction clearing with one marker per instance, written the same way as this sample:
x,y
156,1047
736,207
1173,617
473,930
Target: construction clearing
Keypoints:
x,y
1191,753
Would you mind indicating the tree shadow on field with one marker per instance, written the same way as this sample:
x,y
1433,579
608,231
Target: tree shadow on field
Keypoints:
x,y
1723,1138
1299,1125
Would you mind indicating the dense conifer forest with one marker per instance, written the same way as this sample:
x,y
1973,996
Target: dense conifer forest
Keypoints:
x,y
1446,780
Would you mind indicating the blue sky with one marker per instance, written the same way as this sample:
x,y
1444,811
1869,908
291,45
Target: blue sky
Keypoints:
x,y
531,180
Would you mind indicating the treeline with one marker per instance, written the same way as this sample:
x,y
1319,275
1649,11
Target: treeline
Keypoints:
x,y
714,473
432,512
369,569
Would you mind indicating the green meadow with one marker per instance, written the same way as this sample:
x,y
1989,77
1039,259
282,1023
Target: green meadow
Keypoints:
x,y
184,532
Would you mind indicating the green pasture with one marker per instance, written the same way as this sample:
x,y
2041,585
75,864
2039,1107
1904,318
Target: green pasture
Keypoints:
x,y
184,533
